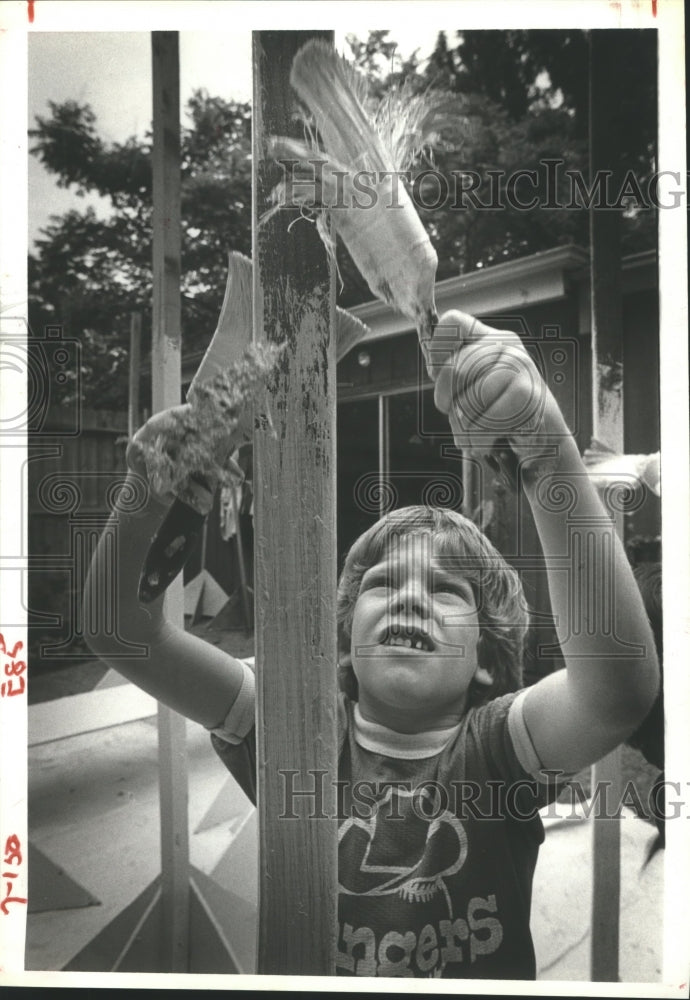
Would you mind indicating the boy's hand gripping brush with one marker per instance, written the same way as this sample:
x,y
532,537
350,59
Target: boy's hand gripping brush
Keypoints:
x,y
187,450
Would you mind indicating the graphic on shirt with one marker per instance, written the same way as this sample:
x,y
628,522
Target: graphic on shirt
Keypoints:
x,y
406,847
403,910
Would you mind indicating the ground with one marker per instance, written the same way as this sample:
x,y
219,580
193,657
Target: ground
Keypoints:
x,y
77,676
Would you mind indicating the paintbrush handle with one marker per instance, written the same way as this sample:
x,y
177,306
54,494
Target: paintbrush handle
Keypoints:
x,y
174,542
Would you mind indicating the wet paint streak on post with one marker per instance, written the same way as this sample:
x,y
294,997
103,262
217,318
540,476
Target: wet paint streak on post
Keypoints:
x,y
295,562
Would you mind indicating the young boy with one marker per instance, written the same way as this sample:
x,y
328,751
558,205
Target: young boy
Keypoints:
x,y
442,762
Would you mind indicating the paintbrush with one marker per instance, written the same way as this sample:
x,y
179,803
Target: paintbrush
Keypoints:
x,y
351,176
195,452
357,181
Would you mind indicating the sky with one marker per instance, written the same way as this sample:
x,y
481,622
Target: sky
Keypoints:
x,y
111,71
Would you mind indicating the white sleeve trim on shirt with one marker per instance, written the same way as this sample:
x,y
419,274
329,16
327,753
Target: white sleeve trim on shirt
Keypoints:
x,y
240,719
522,741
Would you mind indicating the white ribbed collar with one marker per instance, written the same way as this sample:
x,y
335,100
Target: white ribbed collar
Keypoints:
x,y
405,746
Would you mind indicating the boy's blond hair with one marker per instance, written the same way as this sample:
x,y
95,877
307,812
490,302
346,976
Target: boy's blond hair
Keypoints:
x,y
501,608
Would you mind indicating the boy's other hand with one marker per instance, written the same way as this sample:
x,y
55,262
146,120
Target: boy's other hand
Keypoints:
x,y
491,390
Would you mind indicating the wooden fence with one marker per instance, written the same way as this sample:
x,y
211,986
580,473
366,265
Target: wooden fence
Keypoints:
x,y
71,473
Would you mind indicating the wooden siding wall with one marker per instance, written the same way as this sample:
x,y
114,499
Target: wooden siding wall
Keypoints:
x,y
70,470
69,475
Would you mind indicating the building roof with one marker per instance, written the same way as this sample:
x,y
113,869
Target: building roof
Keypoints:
x,y
525,281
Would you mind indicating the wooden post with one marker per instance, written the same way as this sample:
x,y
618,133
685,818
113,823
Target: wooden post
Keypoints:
x,y
384,451
295,560
134,373
607,425
240,562
172,926
167,374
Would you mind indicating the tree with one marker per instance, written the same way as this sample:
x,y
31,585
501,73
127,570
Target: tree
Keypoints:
x,y
522,103
535,87
90,273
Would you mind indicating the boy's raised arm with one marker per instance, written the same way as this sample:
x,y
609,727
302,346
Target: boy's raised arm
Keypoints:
x,y
181,670
485,381
189,675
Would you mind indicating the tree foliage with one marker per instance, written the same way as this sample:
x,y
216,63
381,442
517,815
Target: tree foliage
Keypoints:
x,y
91,273
522,99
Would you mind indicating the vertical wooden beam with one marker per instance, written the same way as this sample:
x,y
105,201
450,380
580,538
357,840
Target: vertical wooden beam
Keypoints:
x,y
134,373
295,555
384,450
605,245
607,425
167,373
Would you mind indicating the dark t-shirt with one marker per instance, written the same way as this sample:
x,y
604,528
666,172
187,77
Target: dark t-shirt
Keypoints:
x,y
436,849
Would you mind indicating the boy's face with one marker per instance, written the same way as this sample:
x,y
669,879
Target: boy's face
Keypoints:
x,y
414,638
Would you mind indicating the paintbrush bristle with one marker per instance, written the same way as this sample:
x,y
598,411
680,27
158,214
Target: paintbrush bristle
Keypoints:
x,y
335,92
410,123
387,137
233,332
358,146
220,411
